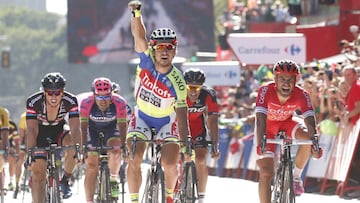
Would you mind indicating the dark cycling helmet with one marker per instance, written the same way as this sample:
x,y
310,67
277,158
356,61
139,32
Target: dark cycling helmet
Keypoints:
x,y
163,35
53,81
101,85
286,67
194,75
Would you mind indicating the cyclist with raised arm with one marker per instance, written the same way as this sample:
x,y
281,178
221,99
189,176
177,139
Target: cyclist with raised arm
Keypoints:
x,y
160,95
45,118
203,113
275,105
102,112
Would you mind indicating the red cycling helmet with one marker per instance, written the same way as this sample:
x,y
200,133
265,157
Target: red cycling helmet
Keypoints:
x,y
286,67
101,85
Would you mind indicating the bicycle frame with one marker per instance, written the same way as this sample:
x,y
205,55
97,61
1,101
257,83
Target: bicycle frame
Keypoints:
x,y
154,191
103,178
52,193
283,187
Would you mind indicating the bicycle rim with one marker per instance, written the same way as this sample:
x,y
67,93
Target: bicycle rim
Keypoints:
x,y
277,185
155,187
190,183
287,195
104,187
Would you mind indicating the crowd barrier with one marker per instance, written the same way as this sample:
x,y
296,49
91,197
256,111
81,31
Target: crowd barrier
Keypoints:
x,y
334,166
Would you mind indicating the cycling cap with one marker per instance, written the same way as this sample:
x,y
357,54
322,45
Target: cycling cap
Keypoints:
x,y
101,85
115,87
194,75
286,67
163,35
53,81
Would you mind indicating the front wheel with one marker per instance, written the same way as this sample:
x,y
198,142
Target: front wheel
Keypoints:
x,y
104,191
190,182
155,186
287,194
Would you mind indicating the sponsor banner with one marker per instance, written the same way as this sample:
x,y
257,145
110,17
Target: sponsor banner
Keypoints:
x,y
219,73
268,48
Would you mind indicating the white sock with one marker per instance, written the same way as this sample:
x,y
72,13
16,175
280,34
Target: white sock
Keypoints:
x,y
201,197
297,172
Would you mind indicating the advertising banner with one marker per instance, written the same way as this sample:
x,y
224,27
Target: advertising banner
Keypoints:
x,y
268,48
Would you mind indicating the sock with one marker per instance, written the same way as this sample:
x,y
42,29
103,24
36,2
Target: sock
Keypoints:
x,y
134,197
169,192
113,177
11,179
297,172
201,197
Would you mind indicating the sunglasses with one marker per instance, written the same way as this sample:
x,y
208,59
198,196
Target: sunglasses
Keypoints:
x,y
53,92
194,87
104,97
161,47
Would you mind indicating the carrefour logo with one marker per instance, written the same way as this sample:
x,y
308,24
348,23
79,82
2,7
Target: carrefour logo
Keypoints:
x,y
293,49
230,74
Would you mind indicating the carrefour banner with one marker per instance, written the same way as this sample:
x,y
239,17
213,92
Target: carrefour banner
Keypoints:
x,y
268,48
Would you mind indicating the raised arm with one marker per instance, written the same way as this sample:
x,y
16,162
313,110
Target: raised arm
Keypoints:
x,y
137,27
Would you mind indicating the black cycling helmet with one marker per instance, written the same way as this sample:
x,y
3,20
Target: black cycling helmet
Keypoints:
x,y
194,75
163,35
286,67
53,81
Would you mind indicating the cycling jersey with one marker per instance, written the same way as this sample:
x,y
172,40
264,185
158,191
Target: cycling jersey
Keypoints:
x,y
4,119
36,109
13,134
280,116
99,121
197,111
157,94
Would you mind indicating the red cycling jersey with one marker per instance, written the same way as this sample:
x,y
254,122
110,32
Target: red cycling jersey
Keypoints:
x,y
280,116
206,104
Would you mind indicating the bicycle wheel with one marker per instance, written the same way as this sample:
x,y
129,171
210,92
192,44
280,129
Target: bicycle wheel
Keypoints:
x,y
277,185
53,189
190,192
155,186
287,194
104,191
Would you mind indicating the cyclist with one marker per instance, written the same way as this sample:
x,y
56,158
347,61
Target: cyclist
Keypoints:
x,y
22,151
160,95
45,119
103,112
203,113
4,130
275,105
14,149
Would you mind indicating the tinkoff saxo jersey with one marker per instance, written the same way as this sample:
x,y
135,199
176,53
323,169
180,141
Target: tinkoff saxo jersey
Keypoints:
x,y
157,95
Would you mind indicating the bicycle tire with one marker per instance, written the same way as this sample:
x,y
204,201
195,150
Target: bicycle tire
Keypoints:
x,y
56,188
277,185
155,186
190,195
287,194
104,192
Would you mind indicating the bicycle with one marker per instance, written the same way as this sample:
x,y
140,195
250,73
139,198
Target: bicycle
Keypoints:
x,y
52,185
103,189
283,186
154,191
122,175
186,189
